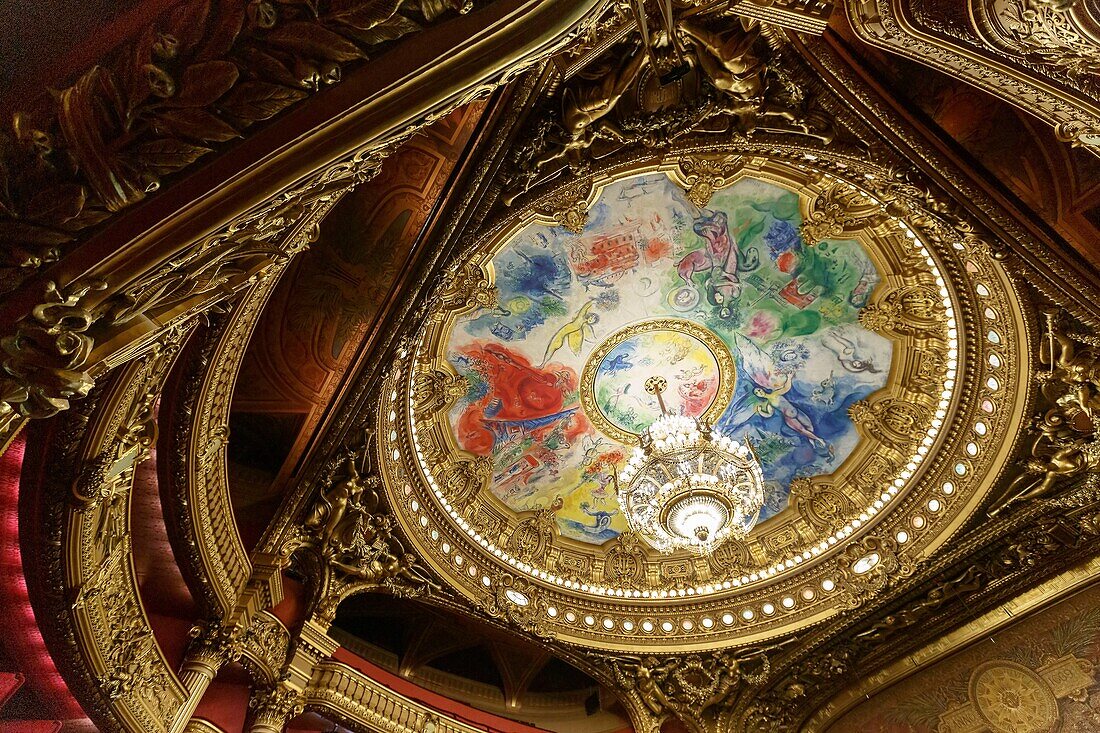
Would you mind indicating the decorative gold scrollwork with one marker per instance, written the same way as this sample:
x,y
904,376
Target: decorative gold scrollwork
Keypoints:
x,y
533,537
839,212
625,563
914,310
704,176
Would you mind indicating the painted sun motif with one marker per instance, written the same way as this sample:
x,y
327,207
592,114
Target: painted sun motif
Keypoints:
x,y
556,392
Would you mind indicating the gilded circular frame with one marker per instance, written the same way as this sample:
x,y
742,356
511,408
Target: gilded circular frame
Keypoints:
x,y
748,601
727,371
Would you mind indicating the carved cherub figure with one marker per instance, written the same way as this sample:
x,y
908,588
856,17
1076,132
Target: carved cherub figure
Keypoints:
x,y
1066,435
585,107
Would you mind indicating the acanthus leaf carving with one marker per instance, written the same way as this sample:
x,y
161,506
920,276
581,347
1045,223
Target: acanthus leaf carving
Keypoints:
x,y
533,537
838,213
434,390
170,97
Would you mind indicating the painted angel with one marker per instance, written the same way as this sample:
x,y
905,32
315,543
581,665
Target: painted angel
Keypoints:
x,y
574,333
769,396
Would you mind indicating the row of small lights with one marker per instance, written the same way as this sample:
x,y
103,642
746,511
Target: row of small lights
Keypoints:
x,y
788,603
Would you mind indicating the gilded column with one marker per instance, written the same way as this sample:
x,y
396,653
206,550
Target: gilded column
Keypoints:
x,y
273,708
209,651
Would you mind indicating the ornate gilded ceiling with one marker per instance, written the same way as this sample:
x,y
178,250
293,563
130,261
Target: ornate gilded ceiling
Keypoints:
x,y
791,308
710,194
656,285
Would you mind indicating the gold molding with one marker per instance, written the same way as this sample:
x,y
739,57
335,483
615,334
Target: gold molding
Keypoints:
x,y
197,256
1037,76
337,689
106,613
980,628
197,461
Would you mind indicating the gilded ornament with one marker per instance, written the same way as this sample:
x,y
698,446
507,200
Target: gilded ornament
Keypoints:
x,y
434,390
533,537
520,603
355,536
870,566
692,688
78,164
273,707
1065,441
463,481
466,288
914,310
895,422
839,212
704,176
349,495
625,563
824,507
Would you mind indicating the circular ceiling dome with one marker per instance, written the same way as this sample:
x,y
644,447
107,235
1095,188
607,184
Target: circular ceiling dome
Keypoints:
x,y
656,286
790,311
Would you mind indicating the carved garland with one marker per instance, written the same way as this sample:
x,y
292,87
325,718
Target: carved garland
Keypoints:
x,y
198,78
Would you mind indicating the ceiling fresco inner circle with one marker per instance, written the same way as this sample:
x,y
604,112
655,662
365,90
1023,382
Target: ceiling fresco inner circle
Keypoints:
x,y
696,365
739,277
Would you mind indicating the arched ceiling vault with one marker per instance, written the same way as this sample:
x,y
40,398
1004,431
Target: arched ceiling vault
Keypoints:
x,y
371,288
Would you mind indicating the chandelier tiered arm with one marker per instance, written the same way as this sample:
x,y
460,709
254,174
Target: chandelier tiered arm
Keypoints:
x,y
689,486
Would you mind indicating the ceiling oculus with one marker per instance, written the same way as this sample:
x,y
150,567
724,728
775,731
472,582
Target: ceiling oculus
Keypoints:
x,y
796,312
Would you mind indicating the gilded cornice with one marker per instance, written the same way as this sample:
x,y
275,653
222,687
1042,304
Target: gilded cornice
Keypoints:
x,y
349,696
988,567
96,617
951,186
199,77
216,561
1034,55
114,305
982,627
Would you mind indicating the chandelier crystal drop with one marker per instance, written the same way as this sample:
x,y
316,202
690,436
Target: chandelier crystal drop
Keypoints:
x,y
689,486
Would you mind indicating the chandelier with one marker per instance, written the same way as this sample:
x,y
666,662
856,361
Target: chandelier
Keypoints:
x,y
689,486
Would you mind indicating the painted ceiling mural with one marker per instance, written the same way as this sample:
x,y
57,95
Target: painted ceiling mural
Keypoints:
x,y
753,329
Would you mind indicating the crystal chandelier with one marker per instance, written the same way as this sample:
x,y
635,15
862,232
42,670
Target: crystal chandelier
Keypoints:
x,y
689,486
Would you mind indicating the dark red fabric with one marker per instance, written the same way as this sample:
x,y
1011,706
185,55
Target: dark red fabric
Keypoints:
x,y
21,638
